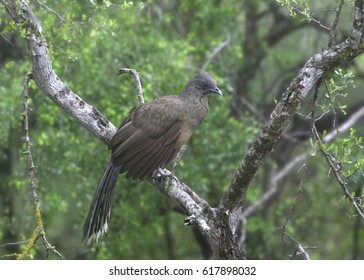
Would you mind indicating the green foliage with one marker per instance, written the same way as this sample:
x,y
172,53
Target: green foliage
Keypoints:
x,y
347,153
297,7
337,90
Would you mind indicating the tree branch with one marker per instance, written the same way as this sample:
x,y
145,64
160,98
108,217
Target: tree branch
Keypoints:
x,y
215,52
274,186
39,230
289,104
50,10
137,81
49,82
331,161
198,209
345,126
336,168
276,178
335,23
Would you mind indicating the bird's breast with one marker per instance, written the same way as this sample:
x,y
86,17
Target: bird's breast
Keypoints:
x,y
196,113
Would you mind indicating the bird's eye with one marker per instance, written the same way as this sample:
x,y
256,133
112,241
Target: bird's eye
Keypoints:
x,y
205,85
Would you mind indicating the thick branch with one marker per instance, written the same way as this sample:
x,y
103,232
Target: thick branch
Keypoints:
x,y
49,82
289,104
196,207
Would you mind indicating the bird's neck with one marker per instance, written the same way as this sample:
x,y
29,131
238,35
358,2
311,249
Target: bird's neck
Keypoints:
x,y
196,107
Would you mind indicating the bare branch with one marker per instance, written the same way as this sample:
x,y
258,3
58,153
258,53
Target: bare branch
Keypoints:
x,y
290,102
335,23
44,6
345,126
274,186
199,211
215,52
13,243
137,81
251,108
49,82
39,231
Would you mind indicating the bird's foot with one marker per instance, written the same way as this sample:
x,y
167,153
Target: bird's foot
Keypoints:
x,y
163,172
160,174
190,220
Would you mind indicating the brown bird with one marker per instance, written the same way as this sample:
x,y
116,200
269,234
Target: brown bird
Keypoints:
x,y
146,142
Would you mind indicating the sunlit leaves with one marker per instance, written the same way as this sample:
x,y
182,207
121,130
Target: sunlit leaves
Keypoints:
x,y
297,7
337,89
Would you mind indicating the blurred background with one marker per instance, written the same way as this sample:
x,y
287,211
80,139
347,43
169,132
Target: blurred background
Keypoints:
x,y
253,49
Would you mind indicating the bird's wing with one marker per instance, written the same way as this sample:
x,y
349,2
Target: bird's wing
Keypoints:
x,y
149,138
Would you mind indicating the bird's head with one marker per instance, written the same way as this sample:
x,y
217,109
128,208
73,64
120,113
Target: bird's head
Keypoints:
x,y
204,84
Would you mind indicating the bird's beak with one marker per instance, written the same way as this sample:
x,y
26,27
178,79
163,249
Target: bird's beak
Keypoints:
x,y
216,90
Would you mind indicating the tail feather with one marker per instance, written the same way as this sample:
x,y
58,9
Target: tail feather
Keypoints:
x,y
100,208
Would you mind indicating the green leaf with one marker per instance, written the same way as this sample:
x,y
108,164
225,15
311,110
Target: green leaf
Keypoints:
x,y
10,64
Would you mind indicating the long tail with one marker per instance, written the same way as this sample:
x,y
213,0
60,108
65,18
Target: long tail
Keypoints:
x,y
100,208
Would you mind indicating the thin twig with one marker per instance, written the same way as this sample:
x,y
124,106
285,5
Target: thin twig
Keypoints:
x,y
274,181
299,249
274,186
318,22
292,207
39,230
354,118
13,243
331,161
308,17
218,49
7,40
335,23
332,100
44,6
335,169
137,80
251,108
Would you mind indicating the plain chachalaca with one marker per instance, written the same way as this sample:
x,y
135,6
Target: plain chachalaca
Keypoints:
x,y
147,141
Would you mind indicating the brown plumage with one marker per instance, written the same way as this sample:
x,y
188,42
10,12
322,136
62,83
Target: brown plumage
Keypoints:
x,y
149,139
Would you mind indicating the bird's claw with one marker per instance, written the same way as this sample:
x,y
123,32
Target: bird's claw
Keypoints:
x,y
190,220
160,173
